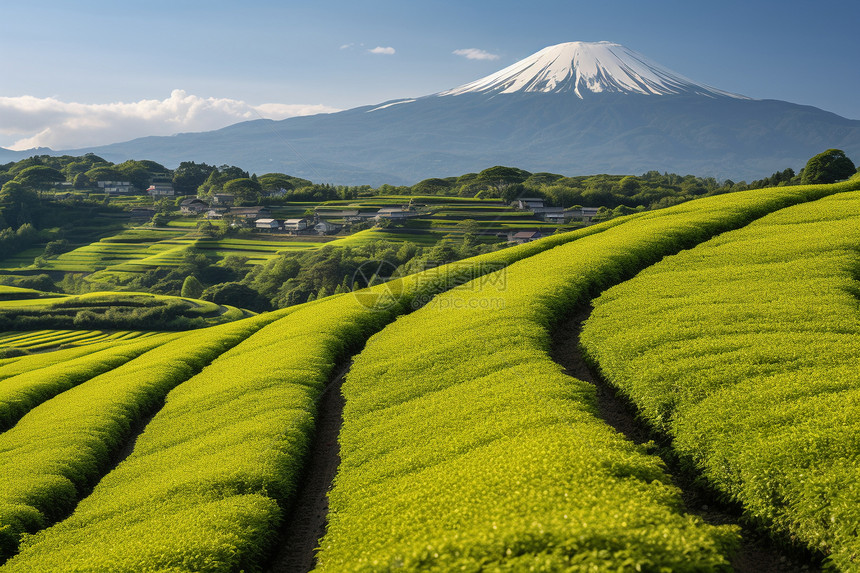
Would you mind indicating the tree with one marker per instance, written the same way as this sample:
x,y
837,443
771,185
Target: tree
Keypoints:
x,y
104,173
191,287
17,202
245,189
828,167
135,172
275,181
39,177
189,176
236,294
469,227
433,186
629,185
57,247
500,177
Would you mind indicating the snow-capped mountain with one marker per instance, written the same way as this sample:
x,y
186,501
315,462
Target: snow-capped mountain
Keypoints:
x,y
577,108
583,67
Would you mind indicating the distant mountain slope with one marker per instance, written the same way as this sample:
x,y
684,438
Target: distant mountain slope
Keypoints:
x,y
575,108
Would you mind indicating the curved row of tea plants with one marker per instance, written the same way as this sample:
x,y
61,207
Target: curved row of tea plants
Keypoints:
x,y
40,340
745,350
26,363
207,480
464,447
115,311
21,393
61,447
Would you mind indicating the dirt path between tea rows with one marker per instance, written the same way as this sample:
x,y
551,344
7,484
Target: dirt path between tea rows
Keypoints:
x,y
758,552
306,520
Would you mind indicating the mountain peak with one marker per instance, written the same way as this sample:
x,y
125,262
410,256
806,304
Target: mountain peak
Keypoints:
x,y
583,67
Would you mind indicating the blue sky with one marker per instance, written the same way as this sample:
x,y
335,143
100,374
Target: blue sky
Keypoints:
x,y
97,71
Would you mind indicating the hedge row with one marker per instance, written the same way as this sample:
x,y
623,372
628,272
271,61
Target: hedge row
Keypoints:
x,y
61,447
745,350
21,393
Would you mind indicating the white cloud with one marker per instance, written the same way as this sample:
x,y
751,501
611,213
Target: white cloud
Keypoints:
x,y
382,50
48,122
476,54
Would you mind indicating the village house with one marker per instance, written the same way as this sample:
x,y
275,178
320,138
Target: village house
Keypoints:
x,y
193,206
529,203
553,214
216,213
116,187
252,213
324,227
395,213
584,214
295,225
161,190
524,237
267,224
223,199
349,215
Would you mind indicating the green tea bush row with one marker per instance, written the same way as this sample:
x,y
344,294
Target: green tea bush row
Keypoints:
x,y
61,447
20,394
119,311
27,363
745,351
28,341
464,447
206,483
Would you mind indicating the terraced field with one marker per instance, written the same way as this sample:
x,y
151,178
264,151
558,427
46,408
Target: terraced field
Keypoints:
x,y
46,339
141,250
464,446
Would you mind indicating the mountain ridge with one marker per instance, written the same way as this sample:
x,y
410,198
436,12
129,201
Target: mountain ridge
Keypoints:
x,y
637,117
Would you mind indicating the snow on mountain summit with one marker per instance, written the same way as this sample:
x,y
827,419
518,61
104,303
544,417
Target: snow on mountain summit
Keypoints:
x,y
580,67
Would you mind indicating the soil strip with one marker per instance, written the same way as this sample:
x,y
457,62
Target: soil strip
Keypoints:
x,y
305,524
758,552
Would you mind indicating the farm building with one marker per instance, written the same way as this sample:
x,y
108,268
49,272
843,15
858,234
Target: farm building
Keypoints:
x,y
161,190
395,213
193,206
586,214
327,227
295,224
116,187
529,203
223,199
552,214
524,236
252,213
267,224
